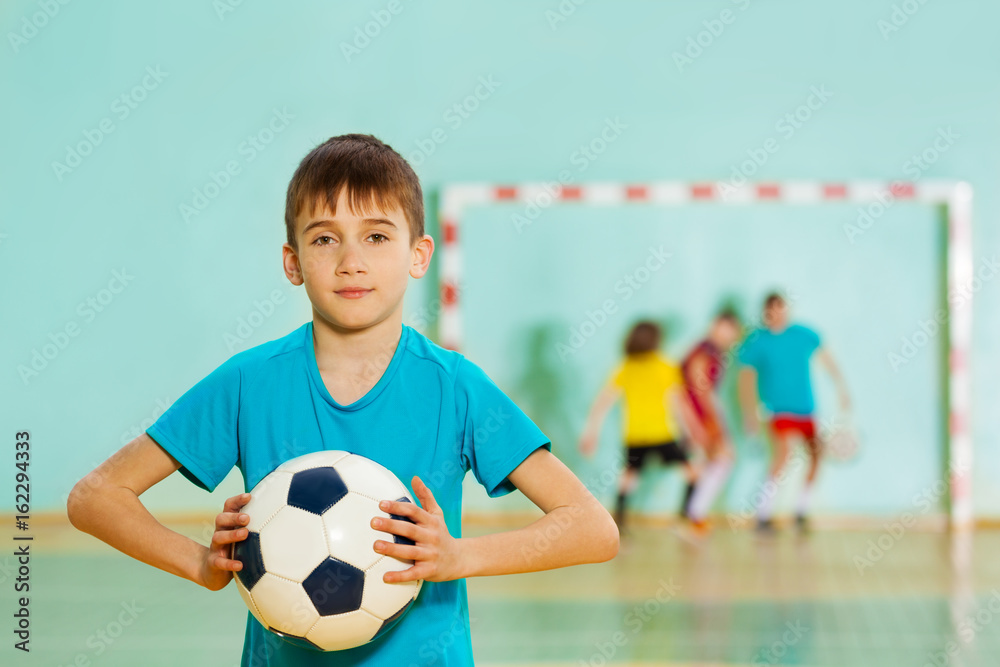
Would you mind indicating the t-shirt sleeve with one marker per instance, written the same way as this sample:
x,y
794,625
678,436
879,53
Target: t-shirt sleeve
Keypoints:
x,y
200,428
811,338
496,434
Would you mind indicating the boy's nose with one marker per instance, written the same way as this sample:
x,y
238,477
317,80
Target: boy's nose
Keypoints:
x,y
351,261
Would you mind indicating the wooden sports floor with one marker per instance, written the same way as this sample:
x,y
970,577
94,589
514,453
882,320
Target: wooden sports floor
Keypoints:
x,y
829,598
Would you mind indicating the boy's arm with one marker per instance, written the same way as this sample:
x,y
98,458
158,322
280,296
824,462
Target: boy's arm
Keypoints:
x,y
595,418
575,529
825,358
106,505
748,398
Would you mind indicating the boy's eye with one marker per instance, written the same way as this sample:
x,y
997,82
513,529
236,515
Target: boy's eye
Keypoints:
x,y
320,240
379,238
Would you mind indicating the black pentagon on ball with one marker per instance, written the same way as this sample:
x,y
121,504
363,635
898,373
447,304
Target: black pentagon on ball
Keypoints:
x,y
399,539
316,490
392,620
248,552
335,587
301,642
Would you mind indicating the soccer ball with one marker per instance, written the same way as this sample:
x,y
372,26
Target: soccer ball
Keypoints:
x,y
310,573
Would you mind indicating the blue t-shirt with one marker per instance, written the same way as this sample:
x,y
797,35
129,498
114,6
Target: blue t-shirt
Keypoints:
x,y
782,363
433,414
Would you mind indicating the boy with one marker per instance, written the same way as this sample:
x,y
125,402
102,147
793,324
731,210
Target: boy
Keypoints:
x,y
355,378
649,385
776,364
703,368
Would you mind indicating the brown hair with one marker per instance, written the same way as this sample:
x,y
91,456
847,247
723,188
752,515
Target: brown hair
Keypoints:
x,y
374,174
773,299
644,337
729,314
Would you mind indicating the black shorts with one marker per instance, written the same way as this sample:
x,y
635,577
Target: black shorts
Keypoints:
x,y
669,452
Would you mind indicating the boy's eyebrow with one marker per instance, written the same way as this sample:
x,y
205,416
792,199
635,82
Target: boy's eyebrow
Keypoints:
x,y
370,221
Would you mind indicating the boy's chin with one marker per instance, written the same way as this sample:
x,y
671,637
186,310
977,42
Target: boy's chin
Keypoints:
x,y
353,321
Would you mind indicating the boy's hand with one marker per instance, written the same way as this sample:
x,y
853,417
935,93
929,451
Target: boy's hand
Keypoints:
x,y
217,568
436,554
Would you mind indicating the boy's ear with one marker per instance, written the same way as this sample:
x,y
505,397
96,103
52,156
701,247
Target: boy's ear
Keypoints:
x,y
421,254
290,261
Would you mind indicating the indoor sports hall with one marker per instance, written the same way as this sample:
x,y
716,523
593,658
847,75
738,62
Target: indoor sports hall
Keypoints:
x,y
736,260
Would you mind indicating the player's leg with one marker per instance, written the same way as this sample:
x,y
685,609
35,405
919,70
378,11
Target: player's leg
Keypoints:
x,y
717,467
814,449
628,481
780,442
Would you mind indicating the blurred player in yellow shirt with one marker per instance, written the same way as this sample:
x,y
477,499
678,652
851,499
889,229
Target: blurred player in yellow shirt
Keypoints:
x,y
650,385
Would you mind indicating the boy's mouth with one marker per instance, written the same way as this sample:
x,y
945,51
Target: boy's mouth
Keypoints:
x,y
353,292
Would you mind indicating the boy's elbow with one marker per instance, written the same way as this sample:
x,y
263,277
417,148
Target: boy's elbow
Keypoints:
x,y
74,505
78,502
607,539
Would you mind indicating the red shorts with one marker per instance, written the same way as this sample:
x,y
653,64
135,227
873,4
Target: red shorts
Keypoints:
x,y
785,424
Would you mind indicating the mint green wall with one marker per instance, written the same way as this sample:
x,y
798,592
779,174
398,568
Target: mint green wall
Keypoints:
x,y
281,71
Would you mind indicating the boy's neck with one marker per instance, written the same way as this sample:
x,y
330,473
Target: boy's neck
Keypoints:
x,y
366,351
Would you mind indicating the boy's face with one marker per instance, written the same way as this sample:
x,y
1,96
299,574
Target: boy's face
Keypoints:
x,y
725,333
776,316
355,267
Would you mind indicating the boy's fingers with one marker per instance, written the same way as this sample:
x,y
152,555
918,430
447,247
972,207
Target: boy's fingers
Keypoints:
x,y
400,551
396,527
229,536
236,502
230,520
424,495
222,563
400,509
409,574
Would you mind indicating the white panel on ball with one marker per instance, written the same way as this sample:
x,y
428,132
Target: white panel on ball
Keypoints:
x,y
292,525
342,631
349,534
269,496
298,612
356,471
382,599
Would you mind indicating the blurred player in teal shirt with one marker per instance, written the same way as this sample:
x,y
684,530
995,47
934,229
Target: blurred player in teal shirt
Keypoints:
x,y
776,372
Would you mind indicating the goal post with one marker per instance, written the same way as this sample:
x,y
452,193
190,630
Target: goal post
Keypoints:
x,y
953,198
